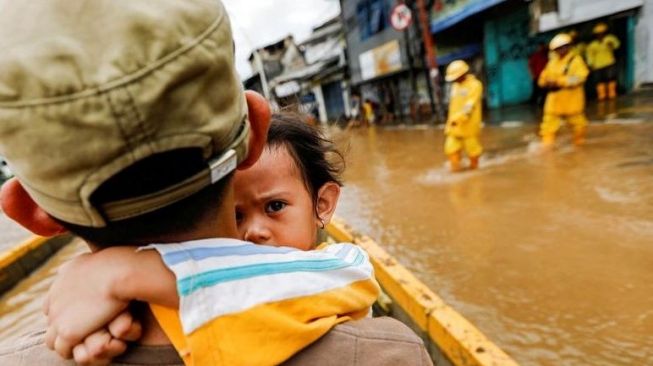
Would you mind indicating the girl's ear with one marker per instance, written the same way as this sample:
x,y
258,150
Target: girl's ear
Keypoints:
x,y
327,199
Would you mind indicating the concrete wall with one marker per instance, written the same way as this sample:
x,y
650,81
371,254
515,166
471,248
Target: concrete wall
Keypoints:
x,y
576,11
644,45
507,46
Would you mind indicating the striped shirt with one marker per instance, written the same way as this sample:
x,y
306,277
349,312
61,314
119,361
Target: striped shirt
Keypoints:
x,y
242,303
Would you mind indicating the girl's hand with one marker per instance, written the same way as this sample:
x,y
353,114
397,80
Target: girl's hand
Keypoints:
x,y
82,300
102,346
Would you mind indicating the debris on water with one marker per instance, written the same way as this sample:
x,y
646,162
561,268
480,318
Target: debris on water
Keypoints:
x,y
613,196
629,164
624,121
512,124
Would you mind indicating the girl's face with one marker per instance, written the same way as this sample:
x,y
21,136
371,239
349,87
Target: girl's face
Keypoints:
x,y
273,206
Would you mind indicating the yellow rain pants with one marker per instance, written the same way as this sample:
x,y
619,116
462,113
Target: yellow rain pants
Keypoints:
x,y
471,145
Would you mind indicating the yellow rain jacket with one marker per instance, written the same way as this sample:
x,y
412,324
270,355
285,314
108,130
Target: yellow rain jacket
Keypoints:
x,y
600,53
465,111
568,74
580,49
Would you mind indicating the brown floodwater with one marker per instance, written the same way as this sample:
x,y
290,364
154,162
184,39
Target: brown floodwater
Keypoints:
x,y
550,255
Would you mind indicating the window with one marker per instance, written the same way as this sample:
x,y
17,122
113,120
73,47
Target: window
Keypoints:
x,y
372,17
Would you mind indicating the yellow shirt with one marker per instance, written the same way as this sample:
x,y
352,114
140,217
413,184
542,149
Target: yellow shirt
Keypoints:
x,y
569,74
465,110
600,53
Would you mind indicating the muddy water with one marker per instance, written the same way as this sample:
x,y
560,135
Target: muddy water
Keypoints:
x,y
550,255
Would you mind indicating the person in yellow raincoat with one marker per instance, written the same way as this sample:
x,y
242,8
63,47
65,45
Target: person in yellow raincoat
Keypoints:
x,y
601,59
563,77
578,45
465,111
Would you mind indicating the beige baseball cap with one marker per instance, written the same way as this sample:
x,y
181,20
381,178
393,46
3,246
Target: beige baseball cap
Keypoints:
x,y
88,88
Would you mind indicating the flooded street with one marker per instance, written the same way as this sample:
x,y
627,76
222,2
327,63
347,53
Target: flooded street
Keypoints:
x,y
550,255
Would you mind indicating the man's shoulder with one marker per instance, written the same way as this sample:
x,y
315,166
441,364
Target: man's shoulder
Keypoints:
x,y
30,350
369,341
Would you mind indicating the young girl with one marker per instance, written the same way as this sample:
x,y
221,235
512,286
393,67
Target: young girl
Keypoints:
x,y
297,296
292,189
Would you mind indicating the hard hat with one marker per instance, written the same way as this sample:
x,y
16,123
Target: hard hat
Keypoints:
x,y
561,39
600,28
456,69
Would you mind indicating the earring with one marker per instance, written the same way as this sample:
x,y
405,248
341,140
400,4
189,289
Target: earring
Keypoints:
x,y
321,223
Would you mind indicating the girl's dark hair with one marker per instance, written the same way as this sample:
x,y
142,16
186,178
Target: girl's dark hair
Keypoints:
x,y
316,157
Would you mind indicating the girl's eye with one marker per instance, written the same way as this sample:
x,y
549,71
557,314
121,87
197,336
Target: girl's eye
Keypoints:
x,y
274,206
239,217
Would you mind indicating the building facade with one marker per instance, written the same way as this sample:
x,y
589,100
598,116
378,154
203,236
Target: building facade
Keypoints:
x,y
310,76
644,45
497,38
386,66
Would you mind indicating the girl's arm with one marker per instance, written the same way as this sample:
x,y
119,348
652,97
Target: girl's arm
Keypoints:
x,y
93,289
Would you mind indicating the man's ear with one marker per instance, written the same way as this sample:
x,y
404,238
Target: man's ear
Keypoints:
x,y
327,199
259,119
20,207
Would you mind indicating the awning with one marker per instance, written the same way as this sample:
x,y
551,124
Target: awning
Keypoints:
x,y
286,89
453,14
461,53
583,11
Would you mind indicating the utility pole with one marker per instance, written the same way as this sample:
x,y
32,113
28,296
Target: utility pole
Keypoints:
x,y
431,61
263,77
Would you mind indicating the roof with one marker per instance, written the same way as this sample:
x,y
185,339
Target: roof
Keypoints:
x,y
318,35
322,51
272,46
307,72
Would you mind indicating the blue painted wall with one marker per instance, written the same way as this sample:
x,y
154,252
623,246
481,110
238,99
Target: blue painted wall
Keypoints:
x,y
507,46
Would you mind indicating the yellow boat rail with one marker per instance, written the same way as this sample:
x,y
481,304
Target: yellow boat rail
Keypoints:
x,y
449,337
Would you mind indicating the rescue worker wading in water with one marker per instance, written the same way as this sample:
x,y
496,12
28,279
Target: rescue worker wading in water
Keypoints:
x,y
465,111
600,57
563,77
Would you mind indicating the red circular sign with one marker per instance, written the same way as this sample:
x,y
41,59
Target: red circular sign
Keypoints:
x,y
401,17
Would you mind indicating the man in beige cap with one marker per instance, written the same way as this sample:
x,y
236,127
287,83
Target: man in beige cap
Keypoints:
x,y
123,121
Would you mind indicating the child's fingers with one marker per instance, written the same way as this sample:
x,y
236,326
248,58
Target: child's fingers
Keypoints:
x,y
125,327
82,358
63,348
50,336
98,349
46,305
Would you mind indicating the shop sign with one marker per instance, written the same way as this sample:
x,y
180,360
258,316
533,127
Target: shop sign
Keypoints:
x,y
381,60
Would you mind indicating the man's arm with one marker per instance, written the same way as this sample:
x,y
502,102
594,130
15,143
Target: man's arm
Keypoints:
x,y
543,81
